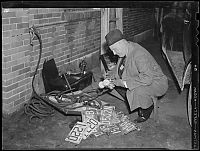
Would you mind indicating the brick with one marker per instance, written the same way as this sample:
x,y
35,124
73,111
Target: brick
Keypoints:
x,y
11,99
48,15
19,90
8,64
17,67
60,46
4,82
49,44
15,20
6,71
54,10
19,101
43,10
35,48
25,81
43,21
35,21
63,41
18,55
33,11
10,87
27,53
28,96
27,43
27,75
6,46
10,52
62,31
6,34
25,19
22,94
22,25
16,44
60,63
11,75
8,14
25,36
26,30
9,27
55,19
45,40
43,31
18,78
25,70
7,82
16,38
56,14
21,13
60,54
57,42
5,21
38,16
7,94
28,90
6,40
52,29
46,54
6,59
4,77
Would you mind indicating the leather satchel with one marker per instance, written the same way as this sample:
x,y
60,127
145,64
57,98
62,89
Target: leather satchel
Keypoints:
x,y
54,82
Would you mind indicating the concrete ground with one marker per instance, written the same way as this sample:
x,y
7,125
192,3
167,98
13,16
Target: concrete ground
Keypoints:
x,y
171,132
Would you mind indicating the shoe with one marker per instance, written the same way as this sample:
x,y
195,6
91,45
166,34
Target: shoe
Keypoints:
x,y
144,114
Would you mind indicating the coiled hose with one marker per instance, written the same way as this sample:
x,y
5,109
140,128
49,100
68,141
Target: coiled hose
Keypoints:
x,y
38,107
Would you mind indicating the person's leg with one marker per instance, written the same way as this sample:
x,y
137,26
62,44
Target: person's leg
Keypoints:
x,y
141,96
122,91
143,103
116,94
142,99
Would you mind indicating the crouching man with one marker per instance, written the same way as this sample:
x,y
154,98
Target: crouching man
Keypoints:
x,y
137,76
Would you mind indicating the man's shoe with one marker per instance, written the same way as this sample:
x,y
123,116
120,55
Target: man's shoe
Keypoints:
x,y
144,114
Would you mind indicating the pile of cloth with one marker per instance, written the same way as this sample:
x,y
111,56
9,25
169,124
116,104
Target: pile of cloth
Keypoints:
x,y
98,122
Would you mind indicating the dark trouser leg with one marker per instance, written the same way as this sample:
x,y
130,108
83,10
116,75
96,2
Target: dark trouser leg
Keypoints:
x,y
122,92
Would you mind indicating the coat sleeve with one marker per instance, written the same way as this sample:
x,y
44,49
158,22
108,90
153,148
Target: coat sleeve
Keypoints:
x,y
145,76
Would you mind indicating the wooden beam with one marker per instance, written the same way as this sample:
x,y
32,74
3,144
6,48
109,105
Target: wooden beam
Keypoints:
x,y
104,31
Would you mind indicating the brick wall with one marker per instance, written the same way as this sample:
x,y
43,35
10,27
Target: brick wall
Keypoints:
x,y
136,21
67,43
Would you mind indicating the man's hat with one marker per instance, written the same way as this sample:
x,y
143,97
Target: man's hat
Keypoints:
x,y
113,36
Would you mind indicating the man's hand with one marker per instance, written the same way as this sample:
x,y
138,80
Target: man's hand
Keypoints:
x,y
111,83
106,83
111,86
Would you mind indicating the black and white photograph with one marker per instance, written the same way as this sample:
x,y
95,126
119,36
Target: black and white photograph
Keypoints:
x,y
100,75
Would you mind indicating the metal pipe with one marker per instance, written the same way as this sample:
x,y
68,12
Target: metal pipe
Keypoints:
x,y
62,22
